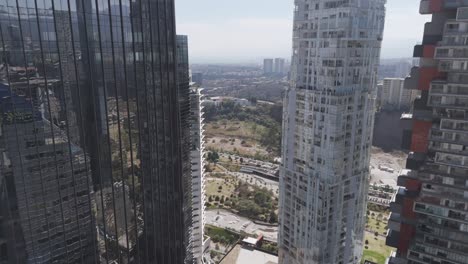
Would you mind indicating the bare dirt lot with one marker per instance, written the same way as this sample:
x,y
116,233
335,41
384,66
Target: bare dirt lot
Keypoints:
x,y
386,166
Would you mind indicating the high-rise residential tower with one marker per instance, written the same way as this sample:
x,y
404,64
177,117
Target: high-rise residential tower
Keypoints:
x,y
197,153
394,96
429,220
327,130
268,66
92,164
279,66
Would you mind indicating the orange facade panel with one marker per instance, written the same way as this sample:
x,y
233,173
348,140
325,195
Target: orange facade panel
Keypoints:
x,y
420,137
407,209
406,234
427,75
435,6
413,185
429,51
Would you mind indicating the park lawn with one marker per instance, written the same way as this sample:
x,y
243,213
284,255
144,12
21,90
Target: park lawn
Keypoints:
x,y
228,188
373,256
377,250
380,227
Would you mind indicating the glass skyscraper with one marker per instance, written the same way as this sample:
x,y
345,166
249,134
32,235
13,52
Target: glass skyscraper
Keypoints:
x,y
91,133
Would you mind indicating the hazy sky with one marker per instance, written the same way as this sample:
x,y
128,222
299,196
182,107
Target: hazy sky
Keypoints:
x,y
249,30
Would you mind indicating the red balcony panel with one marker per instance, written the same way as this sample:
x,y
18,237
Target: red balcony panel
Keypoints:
x,y
407,210
435,6
413,185
420,137
427,75
429,51
406,234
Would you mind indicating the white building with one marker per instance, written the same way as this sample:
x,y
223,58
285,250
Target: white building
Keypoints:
x,y
200,242
268,66
279,66
394,96
327,130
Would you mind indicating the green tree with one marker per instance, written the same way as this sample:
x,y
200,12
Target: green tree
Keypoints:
x,y
273,217
212,157
262,199
249,208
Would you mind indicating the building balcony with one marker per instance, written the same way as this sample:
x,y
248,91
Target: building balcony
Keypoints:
x,y
452,102
451,53
442,88
393,238
448,148
451,159
438,135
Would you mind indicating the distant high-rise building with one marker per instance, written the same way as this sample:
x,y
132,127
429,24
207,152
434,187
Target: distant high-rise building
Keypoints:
x,y
279,66
197,78
268,66
327,130
94,112
429,219
394,96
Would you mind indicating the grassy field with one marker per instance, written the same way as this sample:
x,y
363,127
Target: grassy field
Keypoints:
x,y
236,129
227,187
236,137
377,251
373,256
376,225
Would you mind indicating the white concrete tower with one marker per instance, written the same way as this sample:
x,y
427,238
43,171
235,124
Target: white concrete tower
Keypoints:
x,y
327,130
197,151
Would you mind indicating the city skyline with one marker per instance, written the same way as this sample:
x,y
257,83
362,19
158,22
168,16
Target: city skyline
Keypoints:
x,y
219,36
287,131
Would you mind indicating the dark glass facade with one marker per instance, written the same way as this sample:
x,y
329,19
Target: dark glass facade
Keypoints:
x,y
91,133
